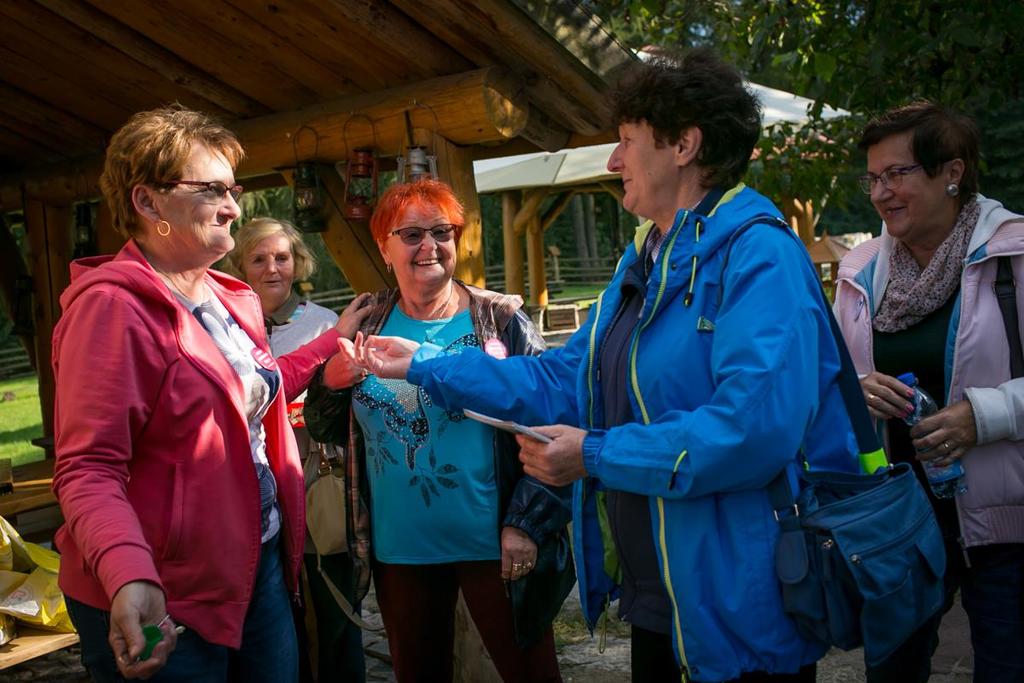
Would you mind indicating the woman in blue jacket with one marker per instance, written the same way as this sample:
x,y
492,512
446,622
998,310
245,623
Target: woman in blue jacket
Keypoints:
x,y
703,370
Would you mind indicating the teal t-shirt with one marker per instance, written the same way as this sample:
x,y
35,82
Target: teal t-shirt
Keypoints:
x,y
433,494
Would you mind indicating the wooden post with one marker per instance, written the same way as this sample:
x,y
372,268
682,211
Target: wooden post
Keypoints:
x,y
108,240
513,244
800,216
48,229
455,166
535,263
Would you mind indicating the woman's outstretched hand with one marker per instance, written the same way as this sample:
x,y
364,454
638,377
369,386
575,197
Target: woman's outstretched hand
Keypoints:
x,y
353,315
387,357
342,371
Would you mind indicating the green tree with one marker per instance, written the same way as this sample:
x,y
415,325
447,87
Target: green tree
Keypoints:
x,y
860,55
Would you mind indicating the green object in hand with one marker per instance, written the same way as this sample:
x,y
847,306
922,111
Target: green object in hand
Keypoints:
x,y
153,635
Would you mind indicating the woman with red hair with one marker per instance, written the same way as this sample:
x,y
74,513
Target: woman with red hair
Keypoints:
x,y
449,504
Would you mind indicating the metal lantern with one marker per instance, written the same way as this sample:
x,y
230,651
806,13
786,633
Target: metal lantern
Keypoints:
x,y
85,231
416,164
360,184
308,203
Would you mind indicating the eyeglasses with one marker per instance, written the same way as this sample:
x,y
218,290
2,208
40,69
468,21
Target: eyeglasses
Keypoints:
x,y
213,187
412,235
891,178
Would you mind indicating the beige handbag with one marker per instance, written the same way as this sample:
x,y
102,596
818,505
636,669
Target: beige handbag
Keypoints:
x,y
325,500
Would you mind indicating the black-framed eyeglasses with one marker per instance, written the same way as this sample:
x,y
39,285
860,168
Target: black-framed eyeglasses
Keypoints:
x,y
412,235
891,178
214,187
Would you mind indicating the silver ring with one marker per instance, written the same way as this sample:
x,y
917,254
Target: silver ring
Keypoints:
x,y
948,446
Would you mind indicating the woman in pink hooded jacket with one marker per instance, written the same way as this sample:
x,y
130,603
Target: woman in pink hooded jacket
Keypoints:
x,y
920,298
177,471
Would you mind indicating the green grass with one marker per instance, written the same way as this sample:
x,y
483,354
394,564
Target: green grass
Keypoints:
x,y
20,421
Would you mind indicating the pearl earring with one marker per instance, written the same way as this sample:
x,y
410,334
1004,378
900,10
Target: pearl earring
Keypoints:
x,y
952,189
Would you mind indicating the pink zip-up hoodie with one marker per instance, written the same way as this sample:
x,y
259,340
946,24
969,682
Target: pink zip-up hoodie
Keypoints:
x,y
978,365
154,472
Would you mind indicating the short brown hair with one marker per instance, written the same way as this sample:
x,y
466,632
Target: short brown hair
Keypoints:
x,y
257,230
152,148
674,92
939,135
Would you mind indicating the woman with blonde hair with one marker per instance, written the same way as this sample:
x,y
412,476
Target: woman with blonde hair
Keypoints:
x,y
270,256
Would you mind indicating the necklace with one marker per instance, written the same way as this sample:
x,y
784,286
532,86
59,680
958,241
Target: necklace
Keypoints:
x,y
441,311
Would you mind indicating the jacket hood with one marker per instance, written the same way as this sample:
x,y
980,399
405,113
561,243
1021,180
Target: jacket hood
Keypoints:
x,y
130,269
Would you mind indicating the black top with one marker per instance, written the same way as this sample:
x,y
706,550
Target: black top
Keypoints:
x,y
920,349
644,601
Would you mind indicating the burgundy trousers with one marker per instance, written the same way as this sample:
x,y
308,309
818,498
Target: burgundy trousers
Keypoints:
x,y
418,602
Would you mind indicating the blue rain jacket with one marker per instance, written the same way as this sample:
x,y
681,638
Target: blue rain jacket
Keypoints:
x,y
727,390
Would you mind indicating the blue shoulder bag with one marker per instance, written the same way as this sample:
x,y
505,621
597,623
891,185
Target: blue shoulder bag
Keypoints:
x,y
860,556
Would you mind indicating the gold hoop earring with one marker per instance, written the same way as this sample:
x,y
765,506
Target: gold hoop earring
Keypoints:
x,y
163,233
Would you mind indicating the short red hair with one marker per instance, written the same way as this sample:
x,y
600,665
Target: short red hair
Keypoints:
x,y
401,197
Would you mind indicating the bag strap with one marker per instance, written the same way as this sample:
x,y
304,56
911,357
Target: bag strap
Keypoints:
x,y
343,604
872,456
1006,294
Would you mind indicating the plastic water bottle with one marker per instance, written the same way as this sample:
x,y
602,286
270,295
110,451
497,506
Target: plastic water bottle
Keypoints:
x,y
945,481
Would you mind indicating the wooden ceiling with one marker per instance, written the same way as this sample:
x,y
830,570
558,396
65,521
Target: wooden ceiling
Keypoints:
x,y
72,71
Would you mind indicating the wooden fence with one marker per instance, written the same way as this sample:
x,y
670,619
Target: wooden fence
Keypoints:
x,y
14,362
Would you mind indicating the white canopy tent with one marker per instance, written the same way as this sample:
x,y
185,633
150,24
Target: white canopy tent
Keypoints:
x,y
526,180
588,164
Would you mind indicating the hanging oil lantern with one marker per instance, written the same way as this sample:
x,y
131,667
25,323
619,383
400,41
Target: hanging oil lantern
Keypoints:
x,y
416,164
308,199
361,173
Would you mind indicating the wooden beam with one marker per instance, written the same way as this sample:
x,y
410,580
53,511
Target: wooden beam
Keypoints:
x,y
157,58
48,231
614,189
531,203
497,32
542,131
79,54
455,167
80,136
226,50
556,209
480,106
535,262
513,244
350,243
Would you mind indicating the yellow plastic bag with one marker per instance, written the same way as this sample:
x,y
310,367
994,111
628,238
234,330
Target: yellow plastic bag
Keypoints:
x,y
30,592
39,602
14,555
8,582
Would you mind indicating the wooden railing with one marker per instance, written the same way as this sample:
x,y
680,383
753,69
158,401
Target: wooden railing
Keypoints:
x,y
14,362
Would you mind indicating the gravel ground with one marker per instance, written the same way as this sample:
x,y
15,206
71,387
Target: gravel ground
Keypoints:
x,y
578,654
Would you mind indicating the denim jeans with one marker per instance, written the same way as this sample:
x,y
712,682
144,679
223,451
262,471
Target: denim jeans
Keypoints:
x,y
992,594
269,651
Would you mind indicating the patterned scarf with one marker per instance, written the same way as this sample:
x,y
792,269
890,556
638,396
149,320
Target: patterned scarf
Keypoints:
x,y
912,292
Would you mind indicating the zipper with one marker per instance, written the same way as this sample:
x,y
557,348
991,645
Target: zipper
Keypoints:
x,y
590,361
856,558
678,628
